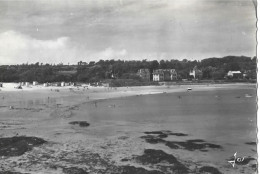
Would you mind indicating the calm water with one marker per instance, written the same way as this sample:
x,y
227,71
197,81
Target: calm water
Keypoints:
x,y
225,117
229,111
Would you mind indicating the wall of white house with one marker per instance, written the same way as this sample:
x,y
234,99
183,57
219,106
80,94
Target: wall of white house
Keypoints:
x,y
156,77
192,73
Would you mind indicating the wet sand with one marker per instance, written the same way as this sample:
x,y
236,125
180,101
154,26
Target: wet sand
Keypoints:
x,y
120,130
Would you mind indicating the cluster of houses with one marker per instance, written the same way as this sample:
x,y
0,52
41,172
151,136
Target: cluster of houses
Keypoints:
x,y
164,75
160,75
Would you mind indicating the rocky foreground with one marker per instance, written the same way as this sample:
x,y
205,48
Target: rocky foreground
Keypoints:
x,y
21,154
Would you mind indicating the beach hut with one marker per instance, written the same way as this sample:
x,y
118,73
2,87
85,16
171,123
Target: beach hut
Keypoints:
x,y
22,83
1,85
45,84
35,83
27,84
58,84
62,83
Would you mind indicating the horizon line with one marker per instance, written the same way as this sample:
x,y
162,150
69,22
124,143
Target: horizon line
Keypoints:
x,y
120,59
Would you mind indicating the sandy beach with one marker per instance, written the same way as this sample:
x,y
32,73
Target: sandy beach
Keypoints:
x,y
152,129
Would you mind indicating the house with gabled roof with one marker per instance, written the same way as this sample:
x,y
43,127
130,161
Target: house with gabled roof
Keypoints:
x,y
234,74
196,73
144,74
164,75
158,75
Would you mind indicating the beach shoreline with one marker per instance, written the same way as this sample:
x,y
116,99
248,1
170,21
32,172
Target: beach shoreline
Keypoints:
x,y
112,125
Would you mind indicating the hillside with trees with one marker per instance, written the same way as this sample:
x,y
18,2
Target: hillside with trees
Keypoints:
x,y
212,69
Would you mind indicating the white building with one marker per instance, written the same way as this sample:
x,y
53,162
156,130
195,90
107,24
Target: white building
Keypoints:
x,y
196,73
158,75
164,75
232,73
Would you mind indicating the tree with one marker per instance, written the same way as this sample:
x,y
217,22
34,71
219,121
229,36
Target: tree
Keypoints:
x,y
163,64
234,66
154,65
218,74
207,72
91,63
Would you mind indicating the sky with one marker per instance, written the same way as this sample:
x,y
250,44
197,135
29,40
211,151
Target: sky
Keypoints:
x,y
65,31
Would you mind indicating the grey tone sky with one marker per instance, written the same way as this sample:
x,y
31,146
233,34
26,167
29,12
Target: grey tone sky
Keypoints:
x,y
54,31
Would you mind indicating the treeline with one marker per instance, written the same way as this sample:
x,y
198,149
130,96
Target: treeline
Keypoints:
x,y
212,68
36,72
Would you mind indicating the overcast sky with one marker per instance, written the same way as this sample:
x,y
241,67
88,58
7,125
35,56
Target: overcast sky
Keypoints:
x,y
54,31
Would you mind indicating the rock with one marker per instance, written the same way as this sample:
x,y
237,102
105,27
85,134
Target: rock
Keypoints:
x,y
209,170
152,157
80,123
137,170
152,139
9,172
251,143
192,145
16,146
74,170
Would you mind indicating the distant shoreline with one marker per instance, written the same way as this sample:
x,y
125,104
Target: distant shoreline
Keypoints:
x,y
101,93
12,85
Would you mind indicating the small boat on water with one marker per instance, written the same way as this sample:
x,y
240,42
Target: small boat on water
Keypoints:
x,y
189,89
248,95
